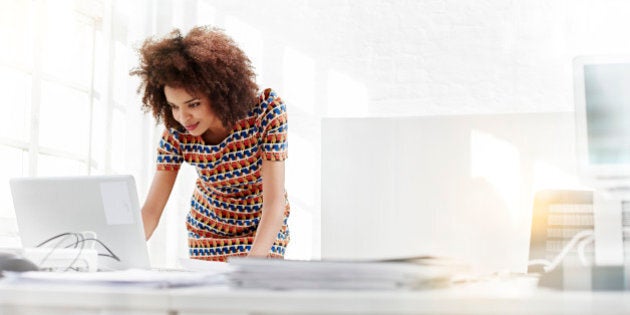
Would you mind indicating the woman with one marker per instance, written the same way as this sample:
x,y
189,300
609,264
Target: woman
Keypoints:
x,y
203,88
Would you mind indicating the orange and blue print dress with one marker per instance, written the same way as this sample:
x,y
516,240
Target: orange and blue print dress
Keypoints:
x,y
226,204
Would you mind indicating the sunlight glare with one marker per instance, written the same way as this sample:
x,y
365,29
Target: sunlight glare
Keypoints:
x,y
498,162
548,176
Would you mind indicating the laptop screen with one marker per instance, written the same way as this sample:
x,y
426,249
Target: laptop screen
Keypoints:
x,y
105,205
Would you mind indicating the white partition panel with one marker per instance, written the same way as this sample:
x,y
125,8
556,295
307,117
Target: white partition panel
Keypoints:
x,y
458,186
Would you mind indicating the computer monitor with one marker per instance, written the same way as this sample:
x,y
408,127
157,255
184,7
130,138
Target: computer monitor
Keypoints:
x,y
602,108
106,205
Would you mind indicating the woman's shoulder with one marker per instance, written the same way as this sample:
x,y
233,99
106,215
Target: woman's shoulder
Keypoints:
x,y
268,103
267,96
267,99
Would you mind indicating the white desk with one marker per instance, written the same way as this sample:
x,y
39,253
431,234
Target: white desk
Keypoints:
x,y
75,299
205,301
39,299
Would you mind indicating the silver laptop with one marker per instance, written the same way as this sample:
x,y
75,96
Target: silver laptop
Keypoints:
x,y
105,205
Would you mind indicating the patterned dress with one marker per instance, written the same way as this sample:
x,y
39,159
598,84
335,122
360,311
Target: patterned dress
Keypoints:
x,y
226,204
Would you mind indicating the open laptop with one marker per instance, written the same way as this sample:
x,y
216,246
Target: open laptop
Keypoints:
x,y
105,205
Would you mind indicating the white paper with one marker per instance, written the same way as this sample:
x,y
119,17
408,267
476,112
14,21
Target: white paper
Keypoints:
x,y
116,203
350,275
130,277
204,266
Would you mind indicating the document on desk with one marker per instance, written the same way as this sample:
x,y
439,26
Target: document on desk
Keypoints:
x,y
127,278
347,275
205,266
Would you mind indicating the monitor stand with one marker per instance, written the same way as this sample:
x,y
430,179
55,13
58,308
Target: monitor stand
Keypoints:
x,y
608,270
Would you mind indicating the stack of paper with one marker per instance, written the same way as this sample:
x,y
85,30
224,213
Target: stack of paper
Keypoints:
x,y
342,275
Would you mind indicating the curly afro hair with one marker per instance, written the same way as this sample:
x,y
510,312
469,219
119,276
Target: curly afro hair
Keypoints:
x,y
206,62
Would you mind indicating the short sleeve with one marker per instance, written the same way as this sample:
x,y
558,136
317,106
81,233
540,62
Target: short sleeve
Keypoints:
x,y
274,126
169,155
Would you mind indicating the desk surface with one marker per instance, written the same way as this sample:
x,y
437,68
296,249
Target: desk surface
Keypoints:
x,y
59,299
62,299
397,302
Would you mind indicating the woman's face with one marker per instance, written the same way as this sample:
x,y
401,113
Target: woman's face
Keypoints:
x,y
192,112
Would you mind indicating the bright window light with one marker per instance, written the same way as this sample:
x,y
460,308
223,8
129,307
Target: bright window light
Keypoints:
x,y
11,166
64,118
16,15
16,96
99,134
67,47
49,165
497,162
548,176
119,141
122,87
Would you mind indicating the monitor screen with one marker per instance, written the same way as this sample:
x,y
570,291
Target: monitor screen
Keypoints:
x,y
602,99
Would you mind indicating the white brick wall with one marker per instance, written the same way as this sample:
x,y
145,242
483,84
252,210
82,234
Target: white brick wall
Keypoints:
x,y
438,56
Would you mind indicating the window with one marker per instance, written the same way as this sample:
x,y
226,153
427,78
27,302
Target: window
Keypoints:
x,y
66,92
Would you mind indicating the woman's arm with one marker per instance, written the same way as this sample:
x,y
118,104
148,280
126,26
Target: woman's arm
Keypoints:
x,y
273,208
161,187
